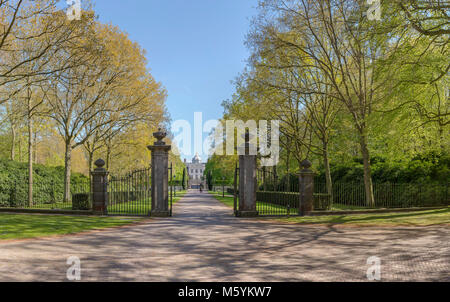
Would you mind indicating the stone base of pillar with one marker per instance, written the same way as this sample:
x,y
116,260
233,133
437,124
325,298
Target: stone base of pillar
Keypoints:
x,y
247,213
160,213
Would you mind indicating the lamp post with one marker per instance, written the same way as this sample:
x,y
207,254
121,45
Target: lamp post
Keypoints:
x,y
174,186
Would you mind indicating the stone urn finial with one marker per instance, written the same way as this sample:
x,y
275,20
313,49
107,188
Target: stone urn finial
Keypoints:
x,y
306,164
160,135
100,163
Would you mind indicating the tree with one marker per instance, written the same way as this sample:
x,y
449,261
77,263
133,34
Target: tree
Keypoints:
x,y
336,38
30,22
13,117
139,102
428,17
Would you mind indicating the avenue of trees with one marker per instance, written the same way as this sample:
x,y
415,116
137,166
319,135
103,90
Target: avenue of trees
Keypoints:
x,y
73,91
349,91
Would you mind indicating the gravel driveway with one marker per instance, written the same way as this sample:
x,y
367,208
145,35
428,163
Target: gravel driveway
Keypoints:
x,y
204,242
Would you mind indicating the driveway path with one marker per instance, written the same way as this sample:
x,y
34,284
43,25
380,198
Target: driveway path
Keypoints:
x,y
204,242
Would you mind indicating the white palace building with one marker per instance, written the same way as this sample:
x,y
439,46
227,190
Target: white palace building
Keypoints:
x,y
195,171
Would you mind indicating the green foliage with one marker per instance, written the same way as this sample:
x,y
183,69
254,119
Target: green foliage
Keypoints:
x,y
209,180
425,168
220,168
48,184
183,180
81,202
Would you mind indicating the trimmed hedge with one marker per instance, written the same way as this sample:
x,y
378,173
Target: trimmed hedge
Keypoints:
x,y
80,202
424,168
48,184
393,195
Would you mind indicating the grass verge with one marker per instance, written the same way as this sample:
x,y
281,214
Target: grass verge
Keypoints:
x,y
179,195
227,200
21,226
418,218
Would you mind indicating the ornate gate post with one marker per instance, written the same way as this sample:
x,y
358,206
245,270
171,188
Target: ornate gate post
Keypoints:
x,y
160,176
99,188
306,187
247,182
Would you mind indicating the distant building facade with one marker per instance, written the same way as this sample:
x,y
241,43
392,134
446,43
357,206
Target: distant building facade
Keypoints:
x,y
195,170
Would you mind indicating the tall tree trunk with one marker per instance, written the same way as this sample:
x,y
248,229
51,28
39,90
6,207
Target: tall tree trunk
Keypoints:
x,y
326,163
368,186
13,142
20,150
288,159
35,148
108,156
441,137
67,170
91,164
30,155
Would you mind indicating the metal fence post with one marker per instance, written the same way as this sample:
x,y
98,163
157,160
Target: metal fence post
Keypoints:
x,y
99,188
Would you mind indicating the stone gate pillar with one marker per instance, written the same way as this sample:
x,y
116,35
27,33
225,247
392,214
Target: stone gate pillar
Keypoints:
x,y
160,176
247,182
99,188
306,188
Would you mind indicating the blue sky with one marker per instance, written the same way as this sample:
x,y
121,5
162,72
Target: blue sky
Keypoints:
x,y
194,47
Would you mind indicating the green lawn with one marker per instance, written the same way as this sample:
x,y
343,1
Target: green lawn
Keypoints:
x,y
51,206
421,218
20,226
228,200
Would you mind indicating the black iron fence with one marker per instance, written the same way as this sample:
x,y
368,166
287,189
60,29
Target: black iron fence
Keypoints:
x,y
130,194
280,195
348,196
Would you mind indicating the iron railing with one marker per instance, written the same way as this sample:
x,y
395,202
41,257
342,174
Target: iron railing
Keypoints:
x,y
280,195
130,194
